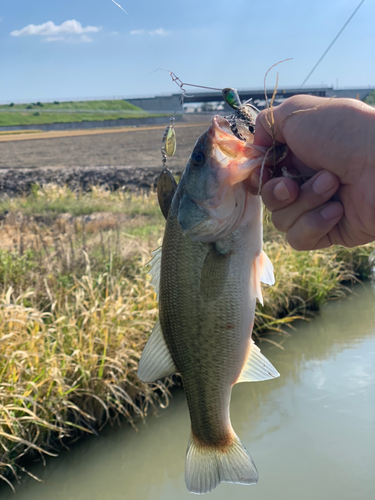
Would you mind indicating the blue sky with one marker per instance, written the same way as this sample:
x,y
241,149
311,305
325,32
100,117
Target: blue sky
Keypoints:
x,y
90,48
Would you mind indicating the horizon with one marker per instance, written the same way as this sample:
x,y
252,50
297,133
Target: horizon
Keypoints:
x,y
146,96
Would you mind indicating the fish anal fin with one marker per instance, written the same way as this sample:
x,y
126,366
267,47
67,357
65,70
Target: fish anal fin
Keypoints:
x,y
166,189
257,367
156,361
207,465
266,269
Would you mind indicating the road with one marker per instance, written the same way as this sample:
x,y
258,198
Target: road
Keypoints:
x,y
136,147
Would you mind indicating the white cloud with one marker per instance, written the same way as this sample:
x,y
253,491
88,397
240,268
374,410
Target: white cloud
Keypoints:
x,y
55,38
159,32
69,39
85,39
50,29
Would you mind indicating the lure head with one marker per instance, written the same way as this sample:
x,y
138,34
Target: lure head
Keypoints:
x,y
231,97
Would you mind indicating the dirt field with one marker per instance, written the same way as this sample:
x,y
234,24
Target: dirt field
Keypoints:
x,y
138,148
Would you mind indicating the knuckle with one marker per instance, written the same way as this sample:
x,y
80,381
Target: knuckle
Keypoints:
x,y
306,232
267,196
298,243
280,222
319,189
294,100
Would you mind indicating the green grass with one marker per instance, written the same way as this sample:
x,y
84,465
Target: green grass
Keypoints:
x,y
64,112
110,105
77,306
370,99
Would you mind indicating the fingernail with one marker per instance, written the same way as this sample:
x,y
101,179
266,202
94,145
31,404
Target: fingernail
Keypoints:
x,y
331,211
255,179
323,183
281,192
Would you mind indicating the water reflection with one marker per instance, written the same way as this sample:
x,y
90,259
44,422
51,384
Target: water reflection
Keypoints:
x,y
311,432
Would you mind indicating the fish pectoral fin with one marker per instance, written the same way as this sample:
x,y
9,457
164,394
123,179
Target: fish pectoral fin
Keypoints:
x,y
156,361
255,288
262,272
166,189
266,269
214,273
257,367
207,466
155,265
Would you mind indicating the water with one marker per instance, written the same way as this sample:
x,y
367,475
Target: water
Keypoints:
x,y
311,432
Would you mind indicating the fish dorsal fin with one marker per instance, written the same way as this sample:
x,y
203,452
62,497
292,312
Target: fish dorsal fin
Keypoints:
x,y
155,264
257,367
156,361
266,269
166,189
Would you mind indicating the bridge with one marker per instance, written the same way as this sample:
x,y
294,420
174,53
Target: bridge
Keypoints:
x,y
171,102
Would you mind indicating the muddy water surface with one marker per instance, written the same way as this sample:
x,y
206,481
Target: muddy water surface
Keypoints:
x,y
311,432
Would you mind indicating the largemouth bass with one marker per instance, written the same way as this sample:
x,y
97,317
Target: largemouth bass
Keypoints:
x,y
207,276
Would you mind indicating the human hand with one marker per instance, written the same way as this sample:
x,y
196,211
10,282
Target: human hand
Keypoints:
x,y
333,142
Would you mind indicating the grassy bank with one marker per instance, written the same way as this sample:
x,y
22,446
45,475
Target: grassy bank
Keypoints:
x,y
76,308
370,99
65,112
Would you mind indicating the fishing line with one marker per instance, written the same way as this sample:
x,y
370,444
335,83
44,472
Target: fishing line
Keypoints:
x,y
174,77
330,45
168,145
143,33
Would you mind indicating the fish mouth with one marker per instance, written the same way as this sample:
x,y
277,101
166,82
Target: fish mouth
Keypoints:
x,y
223,136
221,125
237,158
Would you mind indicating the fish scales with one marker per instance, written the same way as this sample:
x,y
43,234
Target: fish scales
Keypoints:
x,y
207,338
210,272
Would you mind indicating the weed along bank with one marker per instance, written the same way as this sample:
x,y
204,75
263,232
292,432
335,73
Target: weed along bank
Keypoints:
x,y
78,307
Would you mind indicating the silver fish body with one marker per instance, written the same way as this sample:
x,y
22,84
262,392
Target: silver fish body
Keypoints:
x,y
208,278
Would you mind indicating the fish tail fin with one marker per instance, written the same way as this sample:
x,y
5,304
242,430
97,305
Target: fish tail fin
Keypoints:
x,y
207,465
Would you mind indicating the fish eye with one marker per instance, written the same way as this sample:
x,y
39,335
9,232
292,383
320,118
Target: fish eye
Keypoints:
x,y
198,158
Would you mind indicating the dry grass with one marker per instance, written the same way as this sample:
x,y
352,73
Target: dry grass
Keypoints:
x,y
76,308
306,280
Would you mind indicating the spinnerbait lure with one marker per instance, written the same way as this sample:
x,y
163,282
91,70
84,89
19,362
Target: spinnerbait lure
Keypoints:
x,y
245,113
168,143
